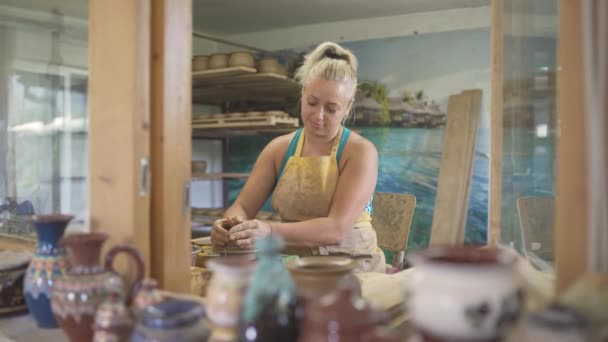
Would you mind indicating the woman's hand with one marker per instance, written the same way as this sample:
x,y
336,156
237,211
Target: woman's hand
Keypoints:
x,y
219,233
247,233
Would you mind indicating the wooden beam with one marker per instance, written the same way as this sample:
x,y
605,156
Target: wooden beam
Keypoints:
x,y
571,200
119,68
171,142
495,205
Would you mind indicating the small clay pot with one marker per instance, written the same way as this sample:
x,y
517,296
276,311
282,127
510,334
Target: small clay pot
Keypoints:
x,y
268,65
200,63
241,59
199,166
218,61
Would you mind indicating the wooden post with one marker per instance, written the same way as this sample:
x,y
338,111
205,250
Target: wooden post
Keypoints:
x,y
455,173
171,142
571,199
119,68
495,213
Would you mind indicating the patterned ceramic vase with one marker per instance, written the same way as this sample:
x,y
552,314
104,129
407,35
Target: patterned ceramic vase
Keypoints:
x,y
47,265
77,296
225,294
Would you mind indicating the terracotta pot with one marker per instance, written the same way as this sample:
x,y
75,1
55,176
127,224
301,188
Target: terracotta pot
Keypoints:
x,y
480,295
226,290
316,276
241,59
78,294
47,265
13,267
200,63
218,61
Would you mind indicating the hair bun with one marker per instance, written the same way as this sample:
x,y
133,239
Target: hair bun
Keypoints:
x,y
333,54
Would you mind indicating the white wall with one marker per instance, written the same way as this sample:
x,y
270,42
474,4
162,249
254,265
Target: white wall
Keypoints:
x,y
366,29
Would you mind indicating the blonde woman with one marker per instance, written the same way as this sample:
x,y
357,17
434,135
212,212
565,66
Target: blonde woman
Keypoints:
x,y
321,177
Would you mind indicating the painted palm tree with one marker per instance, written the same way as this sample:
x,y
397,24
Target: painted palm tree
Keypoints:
x,y
379,93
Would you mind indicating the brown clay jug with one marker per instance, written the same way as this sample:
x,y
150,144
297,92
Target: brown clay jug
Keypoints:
x,y
79,293
341,315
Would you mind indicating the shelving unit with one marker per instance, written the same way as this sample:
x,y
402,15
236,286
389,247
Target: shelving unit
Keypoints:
x,y
218,86
240,84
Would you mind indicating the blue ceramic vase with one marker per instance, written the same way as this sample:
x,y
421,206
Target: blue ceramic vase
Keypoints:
x,y
46,266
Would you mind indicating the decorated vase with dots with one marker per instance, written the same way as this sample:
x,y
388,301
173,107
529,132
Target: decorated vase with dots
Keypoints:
x,y
47,265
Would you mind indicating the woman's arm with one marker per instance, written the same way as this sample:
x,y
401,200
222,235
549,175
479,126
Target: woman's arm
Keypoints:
x,y
257,189
354,189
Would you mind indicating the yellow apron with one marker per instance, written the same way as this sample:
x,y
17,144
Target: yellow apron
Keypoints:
x,y
305,191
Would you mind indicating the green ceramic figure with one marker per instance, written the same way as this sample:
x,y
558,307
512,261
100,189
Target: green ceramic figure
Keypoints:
x,y
270,308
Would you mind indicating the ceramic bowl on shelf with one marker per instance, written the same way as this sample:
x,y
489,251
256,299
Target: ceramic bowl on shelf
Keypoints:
x,y
200,63
268,65
218,61
464,293
199,166
241,59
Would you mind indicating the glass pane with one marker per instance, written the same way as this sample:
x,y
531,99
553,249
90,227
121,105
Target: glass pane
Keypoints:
x,y
529,128
43,112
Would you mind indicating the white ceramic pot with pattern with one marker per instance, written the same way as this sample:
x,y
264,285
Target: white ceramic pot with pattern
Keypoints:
x,y
464,293
226,289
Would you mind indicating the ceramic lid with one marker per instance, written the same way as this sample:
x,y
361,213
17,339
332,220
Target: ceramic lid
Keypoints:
x,y
172,314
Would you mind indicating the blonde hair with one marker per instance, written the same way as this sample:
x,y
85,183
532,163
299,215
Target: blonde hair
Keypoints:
x,y
331,62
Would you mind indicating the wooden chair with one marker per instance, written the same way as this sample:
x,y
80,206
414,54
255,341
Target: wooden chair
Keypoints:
x,y
536,224
392,219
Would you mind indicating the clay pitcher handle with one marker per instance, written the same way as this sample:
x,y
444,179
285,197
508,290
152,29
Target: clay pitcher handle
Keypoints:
x,y
139,266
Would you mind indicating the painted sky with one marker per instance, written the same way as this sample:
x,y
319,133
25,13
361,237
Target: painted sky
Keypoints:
x,y
441,64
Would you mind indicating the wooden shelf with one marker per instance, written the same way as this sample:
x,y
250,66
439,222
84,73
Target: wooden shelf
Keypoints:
x,y
228,175
239,84
239,132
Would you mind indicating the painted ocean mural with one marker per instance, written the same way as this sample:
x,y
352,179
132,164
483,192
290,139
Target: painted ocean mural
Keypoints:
x,y
401,106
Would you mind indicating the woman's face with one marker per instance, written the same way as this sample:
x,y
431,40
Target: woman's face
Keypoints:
x,y
325,103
